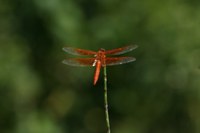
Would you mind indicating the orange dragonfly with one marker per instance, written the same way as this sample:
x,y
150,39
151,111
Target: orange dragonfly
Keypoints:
x,y
99,58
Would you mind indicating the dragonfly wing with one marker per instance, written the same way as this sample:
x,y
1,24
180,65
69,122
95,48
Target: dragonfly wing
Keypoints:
x,y
110,61
77,51
121,50
79,61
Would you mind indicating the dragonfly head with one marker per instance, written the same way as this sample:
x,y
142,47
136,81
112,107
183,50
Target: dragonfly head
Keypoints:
x,y
102,50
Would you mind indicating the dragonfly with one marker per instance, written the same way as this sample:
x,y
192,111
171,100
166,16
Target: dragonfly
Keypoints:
x,y
99,58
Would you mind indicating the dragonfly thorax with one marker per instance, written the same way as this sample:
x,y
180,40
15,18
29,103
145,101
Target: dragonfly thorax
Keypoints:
x,y
100,56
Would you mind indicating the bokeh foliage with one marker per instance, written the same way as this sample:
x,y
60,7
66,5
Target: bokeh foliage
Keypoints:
x,y
159,93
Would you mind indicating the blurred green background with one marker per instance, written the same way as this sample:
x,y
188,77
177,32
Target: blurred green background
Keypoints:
x,y
159,93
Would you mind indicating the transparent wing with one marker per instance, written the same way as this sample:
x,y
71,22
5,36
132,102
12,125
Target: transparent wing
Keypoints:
x,y
77,51
79,61
121,50
110,61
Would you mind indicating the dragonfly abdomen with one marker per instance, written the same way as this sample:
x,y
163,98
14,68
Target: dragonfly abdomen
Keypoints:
x,y
97,71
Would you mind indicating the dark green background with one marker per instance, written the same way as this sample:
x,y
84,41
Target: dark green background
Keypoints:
x,y
159,93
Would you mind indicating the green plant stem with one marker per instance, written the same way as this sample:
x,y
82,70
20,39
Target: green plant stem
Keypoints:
x,y
106,101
